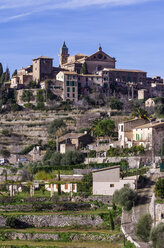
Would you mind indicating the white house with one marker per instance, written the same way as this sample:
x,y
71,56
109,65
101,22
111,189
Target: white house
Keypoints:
x,y
125,133
66,187
107,180
149,103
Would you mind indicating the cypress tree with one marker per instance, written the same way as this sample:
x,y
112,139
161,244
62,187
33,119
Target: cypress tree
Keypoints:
x,y
84,69
7,75
1,69
111,220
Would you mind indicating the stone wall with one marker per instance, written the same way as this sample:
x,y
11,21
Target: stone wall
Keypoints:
x,y
56,220
71,236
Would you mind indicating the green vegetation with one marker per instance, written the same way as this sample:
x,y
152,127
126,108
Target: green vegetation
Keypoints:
x,y
115,104
27,149
27,96
143,227
85,186
55,126
157,236
104,127
84,69
123,152
159,188
5,153
125,197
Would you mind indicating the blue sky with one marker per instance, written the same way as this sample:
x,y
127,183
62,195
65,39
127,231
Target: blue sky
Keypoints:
x,y
132,31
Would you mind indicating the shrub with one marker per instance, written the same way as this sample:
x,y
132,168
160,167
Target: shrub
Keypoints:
x,y
125,198
159,188
5,153
157,235
55,125
116,104
27,149
5,132
92,154
143,227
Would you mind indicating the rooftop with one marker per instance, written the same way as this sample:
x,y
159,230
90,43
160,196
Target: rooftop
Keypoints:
x,y
107,168
151,125
69,72
71,136
121,70
42,57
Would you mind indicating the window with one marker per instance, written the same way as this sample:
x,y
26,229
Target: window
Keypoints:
x,y
73,95
66,186
67,94
111,185
73,89
67,83
137,137
67,77
73,186
122,128
68,89
86,79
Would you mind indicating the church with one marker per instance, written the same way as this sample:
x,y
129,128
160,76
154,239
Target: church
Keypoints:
x,y
95,62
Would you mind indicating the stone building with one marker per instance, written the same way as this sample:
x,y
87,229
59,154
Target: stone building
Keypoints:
x,y
69,82
150,135
42,68
125,131
107,180
122,75
95,62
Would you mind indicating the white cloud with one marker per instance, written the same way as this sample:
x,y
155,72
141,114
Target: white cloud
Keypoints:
x,y
24,8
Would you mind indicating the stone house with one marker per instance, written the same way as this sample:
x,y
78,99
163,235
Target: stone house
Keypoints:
x,y
69,82
67,147
77,139
125,131
150,135
142,94
150,103
107,180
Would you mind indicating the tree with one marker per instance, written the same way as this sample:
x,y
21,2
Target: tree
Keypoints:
x,y
72,158
55,126
125,197
141,113
48,155
104,127
5,153
7,75
84,69
115,104
1,69
111,220
14,73
85,185
113,152
143,227
32,85
159,188
157,235
40,96
56,159
27,96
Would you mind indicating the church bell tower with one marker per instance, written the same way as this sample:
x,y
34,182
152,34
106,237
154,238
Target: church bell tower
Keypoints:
x,y
63,54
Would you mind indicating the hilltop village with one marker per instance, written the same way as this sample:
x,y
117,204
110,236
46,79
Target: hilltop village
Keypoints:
x,y
81,145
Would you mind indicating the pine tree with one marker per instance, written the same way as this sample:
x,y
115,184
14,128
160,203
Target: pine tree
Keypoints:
x,y
84,69
1,69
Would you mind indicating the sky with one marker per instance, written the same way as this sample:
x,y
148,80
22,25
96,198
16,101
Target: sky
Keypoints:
x,y
132,31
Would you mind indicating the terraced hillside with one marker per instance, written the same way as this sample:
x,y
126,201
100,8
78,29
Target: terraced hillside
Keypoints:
x,y
26,128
